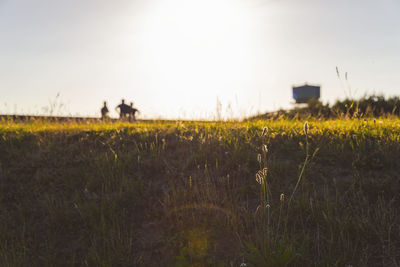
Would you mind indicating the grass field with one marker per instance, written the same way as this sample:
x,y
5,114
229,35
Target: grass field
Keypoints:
x,y
200,193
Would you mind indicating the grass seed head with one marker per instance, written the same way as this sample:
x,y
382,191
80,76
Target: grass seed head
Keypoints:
x,y
282,197
306,128
259,158
265,131
259,178
264,172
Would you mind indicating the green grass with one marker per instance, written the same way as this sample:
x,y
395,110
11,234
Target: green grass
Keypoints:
x,y
186,194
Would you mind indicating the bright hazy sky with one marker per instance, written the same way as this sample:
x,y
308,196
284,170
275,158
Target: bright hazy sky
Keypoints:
x,y
174,58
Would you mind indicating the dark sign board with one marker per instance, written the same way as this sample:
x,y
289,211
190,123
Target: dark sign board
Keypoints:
x,y
302,94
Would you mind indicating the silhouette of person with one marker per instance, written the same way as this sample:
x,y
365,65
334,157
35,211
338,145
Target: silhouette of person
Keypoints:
x,y
104,111
132,112
123,109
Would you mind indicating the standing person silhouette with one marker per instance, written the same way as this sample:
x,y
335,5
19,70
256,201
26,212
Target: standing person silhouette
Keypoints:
x,y
132,112
123,109
104,111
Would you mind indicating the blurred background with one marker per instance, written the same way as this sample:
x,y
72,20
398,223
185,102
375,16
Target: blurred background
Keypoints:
x,y
191,59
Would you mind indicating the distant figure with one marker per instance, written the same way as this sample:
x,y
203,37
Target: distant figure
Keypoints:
x,y
104,111
132,112
124,109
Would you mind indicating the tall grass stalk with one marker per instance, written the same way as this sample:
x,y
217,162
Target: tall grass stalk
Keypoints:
x,y
306,128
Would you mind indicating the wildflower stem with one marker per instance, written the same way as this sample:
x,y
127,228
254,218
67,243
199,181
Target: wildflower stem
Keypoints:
x,y
302,169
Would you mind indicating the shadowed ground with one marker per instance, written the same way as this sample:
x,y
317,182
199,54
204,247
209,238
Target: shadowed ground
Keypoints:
x,y
186,194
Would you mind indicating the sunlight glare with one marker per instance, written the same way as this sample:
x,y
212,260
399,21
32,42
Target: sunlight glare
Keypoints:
x,y
199,45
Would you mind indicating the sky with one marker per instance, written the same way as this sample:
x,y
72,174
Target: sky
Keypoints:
x,y
182,59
